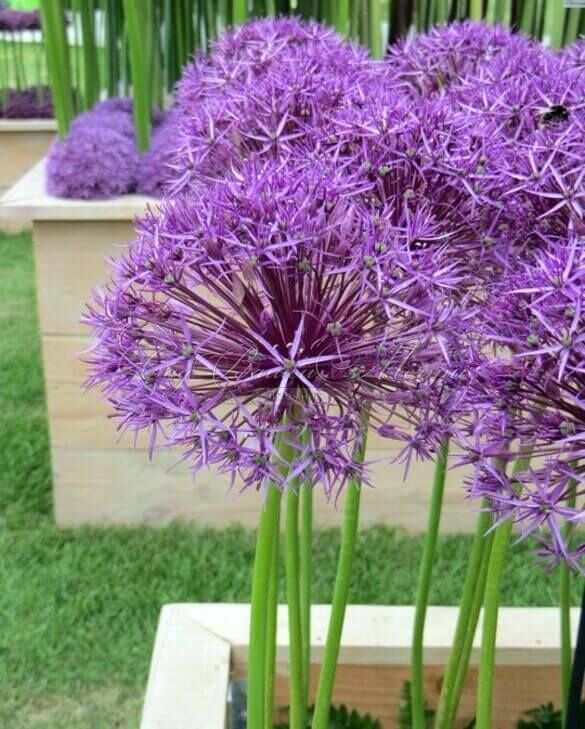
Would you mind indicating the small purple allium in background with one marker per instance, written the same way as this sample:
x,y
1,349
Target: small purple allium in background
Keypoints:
x,y
99,159
94,163
35,102
14,21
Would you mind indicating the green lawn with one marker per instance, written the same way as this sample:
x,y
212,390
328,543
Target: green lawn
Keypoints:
x,y
78,609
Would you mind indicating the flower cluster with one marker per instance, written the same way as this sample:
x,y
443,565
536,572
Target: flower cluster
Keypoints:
x,y
348,244
99,158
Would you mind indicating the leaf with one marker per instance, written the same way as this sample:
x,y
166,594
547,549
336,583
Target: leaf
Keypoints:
x,y
339,718
405,717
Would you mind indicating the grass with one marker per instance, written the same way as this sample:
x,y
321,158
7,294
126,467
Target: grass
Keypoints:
x,y
79,608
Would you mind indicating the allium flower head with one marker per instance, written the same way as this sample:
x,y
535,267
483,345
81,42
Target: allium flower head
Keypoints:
x,y
435,61
35,102
92,163
532,394
14,21
265,306
267,90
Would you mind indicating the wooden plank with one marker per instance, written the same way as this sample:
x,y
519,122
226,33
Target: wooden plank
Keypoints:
x,y
20,149
374,660
70,261
108,487
187,661
28,198
381,635
24,126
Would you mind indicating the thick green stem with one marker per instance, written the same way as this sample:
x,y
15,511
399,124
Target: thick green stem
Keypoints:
x,y
342,16
490,615
375,29
306,505
553,25
271,625
565,609
58,62
239,11
571,26
298,719
133,12
340,594
476,9
443,719
259,608
527,17
424,584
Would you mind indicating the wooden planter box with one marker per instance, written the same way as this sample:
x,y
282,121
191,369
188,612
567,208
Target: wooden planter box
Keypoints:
x,y
101,481
22,144
199,648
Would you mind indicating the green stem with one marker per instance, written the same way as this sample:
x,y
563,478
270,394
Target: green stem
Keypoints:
x,y
553,24
89,49
271,626
340,593
441,11
139,67
490,615
306,506
447,700
259,608
471,628
298,719
572,26
342,16
375,30
424,584
239,11
565,608
527,17
58,62
476,9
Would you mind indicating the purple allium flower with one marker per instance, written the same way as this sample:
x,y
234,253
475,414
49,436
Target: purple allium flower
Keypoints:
x,y
116,121
14,21
32,103
115,103
94,162
269,305
435,61
266,90
573,56
532,393
145,173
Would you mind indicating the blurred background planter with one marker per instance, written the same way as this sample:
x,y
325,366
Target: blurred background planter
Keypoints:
x,y
98,480
23,142
200,648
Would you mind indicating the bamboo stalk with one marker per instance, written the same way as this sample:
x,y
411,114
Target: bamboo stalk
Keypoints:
x,y
139,69
90,60
53,21
553,25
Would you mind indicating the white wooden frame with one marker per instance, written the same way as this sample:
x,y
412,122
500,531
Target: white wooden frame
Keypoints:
x,y
199,647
